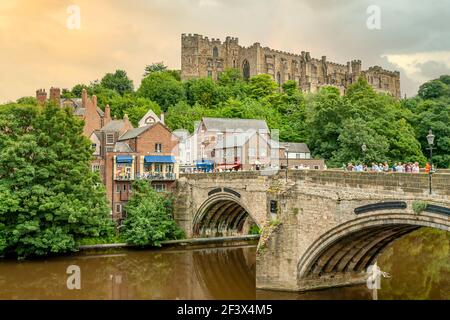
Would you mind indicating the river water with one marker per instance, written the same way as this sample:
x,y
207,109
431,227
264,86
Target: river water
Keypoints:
x,y
418,265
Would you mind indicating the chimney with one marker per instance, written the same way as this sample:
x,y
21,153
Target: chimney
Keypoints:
x,y
107,116
41,96
55,96
125,119
94,101
83,98
161,118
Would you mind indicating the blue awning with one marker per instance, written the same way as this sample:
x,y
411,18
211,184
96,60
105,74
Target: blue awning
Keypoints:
x,y
124,159
204,162
159,159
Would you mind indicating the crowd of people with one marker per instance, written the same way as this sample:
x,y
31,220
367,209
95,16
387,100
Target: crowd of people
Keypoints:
x,y
385,167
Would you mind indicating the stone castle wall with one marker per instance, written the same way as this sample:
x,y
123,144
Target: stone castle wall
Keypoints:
x,y
204,57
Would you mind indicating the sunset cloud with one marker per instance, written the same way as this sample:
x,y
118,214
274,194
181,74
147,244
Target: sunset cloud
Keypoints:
x,y
39,51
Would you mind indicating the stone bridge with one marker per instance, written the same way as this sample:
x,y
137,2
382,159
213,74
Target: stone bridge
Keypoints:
x,y
319,228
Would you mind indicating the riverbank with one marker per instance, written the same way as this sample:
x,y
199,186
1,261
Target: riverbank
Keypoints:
x,y
235,240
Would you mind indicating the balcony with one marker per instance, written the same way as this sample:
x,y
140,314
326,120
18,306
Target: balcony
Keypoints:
x,y
124,177
158,176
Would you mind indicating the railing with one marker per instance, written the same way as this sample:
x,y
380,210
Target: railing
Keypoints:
x,y
158,176
127,177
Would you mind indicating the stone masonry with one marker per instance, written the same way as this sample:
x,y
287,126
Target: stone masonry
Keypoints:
x,y
203,57
320,228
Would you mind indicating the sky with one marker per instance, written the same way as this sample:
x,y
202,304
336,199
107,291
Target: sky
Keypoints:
x,y
41,45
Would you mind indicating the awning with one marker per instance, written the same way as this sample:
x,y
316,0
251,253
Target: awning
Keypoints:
x,y
205,161
124,159
159,159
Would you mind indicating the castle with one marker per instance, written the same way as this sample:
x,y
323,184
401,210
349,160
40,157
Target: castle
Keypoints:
x,y
203,57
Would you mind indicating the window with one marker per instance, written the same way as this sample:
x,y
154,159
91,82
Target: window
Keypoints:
x,y
262,152
109,149
117,188
95,168
159,187
215,52
94,146
316,167
109,138
158,147
124,187
209,74
118,208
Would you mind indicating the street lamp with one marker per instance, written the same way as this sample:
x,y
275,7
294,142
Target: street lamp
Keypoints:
x,y
430,139
286,147
364,149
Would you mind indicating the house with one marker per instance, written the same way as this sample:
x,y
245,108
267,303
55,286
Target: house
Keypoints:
x,y
298,156
150,153
84,108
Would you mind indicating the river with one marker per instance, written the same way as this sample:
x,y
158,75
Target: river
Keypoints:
x,y
418,265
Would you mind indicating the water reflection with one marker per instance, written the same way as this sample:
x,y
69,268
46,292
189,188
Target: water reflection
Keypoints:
x,y
418,263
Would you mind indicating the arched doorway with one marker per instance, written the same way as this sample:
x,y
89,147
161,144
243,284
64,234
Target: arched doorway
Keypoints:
x,y
246,69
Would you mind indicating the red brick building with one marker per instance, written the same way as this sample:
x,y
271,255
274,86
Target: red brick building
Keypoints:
x,y
121,152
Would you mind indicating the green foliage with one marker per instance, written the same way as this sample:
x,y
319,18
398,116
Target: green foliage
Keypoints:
x,y
149,217
261,86
419,206
49,197
136,107
117,81
433,89
432,113
162,88
27,101
154,67
254,229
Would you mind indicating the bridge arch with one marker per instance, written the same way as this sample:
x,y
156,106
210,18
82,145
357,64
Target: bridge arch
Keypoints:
x,y
350,248
222,214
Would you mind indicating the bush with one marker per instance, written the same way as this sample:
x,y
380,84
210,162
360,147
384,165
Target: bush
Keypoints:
x,y
149,217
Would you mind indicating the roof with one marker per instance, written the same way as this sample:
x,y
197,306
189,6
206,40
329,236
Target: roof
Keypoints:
x,y
149,114
296,147
133,133
122,147
113,125
77,104
224,124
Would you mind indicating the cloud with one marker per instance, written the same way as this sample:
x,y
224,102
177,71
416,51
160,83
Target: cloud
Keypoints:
x,y
39,51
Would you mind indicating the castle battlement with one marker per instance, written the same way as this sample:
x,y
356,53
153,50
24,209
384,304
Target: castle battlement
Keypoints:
x,y
205,57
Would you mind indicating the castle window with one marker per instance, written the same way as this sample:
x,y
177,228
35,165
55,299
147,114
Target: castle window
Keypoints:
x,y
234,63
215,53
209,74
246,70
279,78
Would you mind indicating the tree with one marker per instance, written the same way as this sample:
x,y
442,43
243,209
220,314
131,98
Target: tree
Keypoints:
x,y
183,116
135,107
162,88
262,86
353,134
117,81
149,217
154,67
27,101
203,91
433,89
49,197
